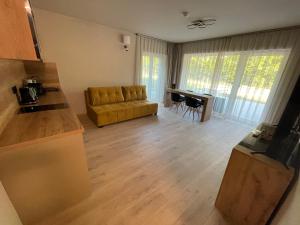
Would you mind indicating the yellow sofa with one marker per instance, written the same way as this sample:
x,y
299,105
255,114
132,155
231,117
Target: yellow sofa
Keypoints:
x,y
107,105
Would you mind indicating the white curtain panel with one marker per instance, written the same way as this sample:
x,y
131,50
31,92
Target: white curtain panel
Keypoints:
x,y
243,82
151,66
245,55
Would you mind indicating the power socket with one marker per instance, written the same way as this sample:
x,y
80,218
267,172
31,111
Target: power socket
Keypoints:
x,y
14,89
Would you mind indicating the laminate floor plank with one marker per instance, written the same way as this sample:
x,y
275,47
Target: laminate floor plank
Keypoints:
x,y
162,170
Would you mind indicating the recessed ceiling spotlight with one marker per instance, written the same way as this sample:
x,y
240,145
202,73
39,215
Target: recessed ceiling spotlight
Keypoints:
x,y
201,23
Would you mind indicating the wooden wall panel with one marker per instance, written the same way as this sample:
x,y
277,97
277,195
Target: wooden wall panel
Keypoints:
x,y
12,73
46,72
16,39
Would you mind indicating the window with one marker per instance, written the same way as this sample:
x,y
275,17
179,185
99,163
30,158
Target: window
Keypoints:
x,y
154,75
242,82
198,72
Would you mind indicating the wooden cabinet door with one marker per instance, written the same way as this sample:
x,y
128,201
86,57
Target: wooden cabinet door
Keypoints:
x,y
252,187
15,35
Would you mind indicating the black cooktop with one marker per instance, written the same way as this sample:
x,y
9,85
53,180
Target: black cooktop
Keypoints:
x,y
38,108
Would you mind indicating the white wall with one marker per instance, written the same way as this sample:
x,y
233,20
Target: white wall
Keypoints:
x,y
87,54
289,213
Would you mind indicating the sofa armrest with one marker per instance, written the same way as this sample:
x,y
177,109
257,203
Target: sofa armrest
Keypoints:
x,y
87,100
89,111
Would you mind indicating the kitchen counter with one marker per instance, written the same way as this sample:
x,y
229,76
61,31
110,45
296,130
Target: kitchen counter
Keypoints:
x,y
37,126
43,165
43,152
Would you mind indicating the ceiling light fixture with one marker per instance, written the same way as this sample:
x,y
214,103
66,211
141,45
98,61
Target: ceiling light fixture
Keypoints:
x,y
197,23
201,23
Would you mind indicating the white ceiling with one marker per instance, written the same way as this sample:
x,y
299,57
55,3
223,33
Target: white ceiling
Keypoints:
x,y
163,19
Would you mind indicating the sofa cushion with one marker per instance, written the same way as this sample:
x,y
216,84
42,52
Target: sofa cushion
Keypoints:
x,y
111,113
105,95
134,93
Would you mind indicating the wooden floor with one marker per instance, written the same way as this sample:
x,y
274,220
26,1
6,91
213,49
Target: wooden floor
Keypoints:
x,y
162,170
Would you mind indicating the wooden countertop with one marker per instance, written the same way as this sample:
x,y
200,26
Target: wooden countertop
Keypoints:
x,y
27,128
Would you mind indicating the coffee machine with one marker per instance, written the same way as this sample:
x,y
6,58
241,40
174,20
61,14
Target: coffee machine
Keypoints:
x,y
30,91
36,84
28,95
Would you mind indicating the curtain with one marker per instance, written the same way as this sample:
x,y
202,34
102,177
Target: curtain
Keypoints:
x,y
174,61
243,82
174,64
151,66
267,40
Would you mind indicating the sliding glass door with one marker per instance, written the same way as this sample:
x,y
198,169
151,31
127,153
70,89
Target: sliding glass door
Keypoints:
x,y
198,71
154,75
242,82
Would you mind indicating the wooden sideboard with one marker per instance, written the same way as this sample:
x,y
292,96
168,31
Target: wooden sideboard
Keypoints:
x,y
252,187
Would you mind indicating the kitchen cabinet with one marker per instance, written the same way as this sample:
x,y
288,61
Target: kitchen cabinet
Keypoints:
x,y
252,186
43,165
16,40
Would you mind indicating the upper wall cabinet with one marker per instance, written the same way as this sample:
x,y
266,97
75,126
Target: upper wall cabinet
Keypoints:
x,y
16,39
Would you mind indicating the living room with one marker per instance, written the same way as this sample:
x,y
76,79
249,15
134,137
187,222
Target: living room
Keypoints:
x,y
138,112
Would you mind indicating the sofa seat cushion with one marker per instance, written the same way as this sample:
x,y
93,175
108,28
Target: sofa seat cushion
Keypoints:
x,y
134,93
112,113
105,95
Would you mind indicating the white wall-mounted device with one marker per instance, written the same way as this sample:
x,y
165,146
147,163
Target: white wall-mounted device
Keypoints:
x,y
126,42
